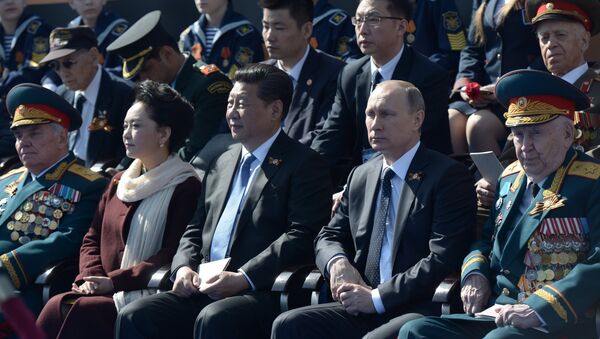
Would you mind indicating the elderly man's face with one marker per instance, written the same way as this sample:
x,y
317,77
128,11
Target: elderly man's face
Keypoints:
x,y
391,125
77,70
541,148
562,44
40,146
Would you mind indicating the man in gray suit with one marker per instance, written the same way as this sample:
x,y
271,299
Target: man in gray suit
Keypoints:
x,y
262,204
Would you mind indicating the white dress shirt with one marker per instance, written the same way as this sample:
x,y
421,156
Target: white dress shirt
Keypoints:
x,y
87,115
295,71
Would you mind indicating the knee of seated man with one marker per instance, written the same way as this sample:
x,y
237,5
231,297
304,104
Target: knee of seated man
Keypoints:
x,y
412,329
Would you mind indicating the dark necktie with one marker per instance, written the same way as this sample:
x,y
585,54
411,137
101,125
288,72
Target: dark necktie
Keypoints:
x,y
74,136
377,78
222,235
534,190
372,270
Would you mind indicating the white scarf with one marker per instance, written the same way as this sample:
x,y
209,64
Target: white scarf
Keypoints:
x,y
155,189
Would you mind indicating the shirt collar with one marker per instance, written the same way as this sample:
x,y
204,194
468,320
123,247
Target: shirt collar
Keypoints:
x,y
387,70
34,176
575,73
400,166
261,151
91,91
294,72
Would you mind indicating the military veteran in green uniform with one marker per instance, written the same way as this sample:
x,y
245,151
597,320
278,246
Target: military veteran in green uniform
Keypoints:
x,y
149,52
537,265
46,206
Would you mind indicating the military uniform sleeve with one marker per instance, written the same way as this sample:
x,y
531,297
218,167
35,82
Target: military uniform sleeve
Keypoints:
x,y
450,34
26,262
210,105
472,58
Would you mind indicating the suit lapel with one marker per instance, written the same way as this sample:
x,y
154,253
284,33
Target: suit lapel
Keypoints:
x,y
103,103
226,168
370,193
303,86
407,197
265,171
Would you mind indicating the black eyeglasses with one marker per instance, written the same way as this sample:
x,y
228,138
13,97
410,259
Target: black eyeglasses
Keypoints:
x,y
371,20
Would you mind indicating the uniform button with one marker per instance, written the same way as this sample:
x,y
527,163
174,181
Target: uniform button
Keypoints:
x,y
506,272
499,56
505,291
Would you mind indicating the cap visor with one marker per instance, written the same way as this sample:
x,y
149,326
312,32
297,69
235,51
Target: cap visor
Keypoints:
x,y
57,54
24,122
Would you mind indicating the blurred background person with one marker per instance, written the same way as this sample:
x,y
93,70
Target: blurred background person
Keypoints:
x,y
108,26
139,221
500,39
333,32
223,37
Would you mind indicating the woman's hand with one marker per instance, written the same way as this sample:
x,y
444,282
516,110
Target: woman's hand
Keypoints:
x,y
94,285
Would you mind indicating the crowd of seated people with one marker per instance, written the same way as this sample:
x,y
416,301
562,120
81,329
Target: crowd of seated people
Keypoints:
x,y
234,154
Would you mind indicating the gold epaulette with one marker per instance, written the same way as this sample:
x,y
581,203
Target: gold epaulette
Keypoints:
x,y
12,172
585,169
511,169
84,172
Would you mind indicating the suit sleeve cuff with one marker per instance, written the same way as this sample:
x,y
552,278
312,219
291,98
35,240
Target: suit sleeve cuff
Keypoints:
x,y
248,279
330,262
377,301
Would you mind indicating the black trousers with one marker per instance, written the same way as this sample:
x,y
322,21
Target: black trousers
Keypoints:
x,y
332,321
166,315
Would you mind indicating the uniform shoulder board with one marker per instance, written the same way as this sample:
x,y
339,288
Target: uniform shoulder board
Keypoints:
x,y
84,172
337,18
13,172
512,169
585,169
34,26
209,69
244,29
119,29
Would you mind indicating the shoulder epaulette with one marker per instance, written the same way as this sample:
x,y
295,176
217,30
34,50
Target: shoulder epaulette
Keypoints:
x,y
13,172
209,69
84,172
511,169
585,169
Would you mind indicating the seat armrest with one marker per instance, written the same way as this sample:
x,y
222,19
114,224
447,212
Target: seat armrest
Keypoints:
x,y
289,286
58,278
448,295
161,279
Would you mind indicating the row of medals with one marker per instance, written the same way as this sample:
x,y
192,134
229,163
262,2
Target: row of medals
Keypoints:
x,y
553,258
38,218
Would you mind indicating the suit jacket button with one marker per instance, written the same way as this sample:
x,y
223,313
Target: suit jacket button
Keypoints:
x,y
505,291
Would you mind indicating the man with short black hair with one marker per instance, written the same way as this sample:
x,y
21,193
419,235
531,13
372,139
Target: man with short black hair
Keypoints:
x,y
263,201
287,28
149,52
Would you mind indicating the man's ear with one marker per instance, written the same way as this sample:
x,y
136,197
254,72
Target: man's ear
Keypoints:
x,y
307,30
418,118
277,110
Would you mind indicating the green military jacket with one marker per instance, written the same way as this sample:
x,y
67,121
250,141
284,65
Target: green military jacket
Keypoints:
x,y
548,258
207,89
43,221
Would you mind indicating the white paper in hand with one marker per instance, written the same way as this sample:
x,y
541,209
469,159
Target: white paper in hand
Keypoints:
x,y
492,313
210,269
488,165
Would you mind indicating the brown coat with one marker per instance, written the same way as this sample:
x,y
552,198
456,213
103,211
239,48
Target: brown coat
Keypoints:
x,y
101,254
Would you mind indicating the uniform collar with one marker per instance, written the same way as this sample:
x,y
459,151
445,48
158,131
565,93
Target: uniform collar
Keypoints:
x,y
576,73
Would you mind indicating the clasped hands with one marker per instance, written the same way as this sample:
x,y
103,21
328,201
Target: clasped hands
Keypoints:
x,y
225,284
348,287
475,294
94,285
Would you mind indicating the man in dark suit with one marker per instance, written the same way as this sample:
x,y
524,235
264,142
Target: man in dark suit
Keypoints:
x,y
404,224
287,28
101,98
262,204
380,28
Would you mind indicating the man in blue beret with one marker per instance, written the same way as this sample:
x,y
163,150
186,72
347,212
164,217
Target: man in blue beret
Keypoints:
x,y
534,272
47,205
